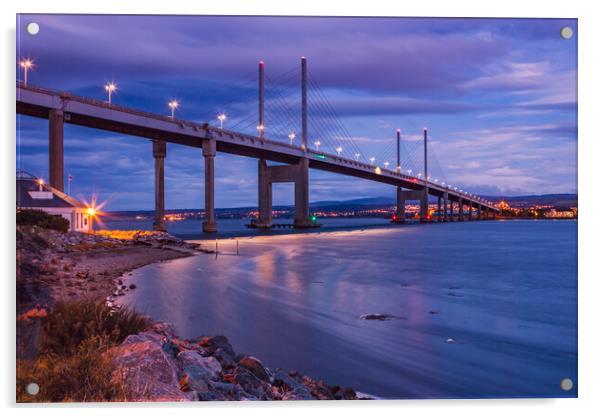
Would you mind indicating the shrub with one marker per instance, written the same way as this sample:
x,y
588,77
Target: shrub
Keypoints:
x,y
42,219
75,362
70,323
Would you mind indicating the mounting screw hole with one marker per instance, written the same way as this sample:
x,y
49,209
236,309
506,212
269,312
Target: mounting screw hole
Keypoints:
x,y
566,384
566,32
32,389
33,28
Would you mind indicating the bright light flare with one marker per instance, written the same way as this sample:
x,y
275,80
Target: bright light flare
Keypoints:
x,y
173,104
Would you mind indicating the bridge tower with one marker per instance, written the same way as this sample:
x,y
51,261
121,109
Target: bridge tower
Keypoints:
x,y
297,173
424,201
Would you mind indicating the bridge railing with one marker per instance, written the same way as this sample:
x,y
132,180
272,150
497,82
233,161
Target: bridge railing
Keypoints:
x,y
214,130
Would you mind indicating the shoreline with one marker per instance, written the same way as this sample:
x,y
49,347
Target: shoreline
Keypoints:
x,y
54,266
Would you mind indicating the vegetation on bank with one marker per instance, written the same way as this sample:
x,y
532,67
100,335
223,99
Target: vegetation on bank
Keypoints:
x,y
42,219
126,234
74,363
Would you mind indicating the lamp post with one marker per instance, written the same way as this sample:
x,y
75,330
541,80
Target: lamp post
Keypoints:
x,y
69,180
386,165
339,150
317,143
110,88
221,119
372,159
173,104
26,64
291,137
357,157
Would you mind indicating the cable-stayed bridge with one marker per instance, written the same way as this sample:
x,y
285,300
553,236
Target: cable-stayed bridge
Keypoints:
x,y
267,134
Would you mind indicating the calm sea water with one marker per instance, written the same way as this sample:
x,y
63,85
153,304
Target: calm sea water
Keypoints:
x,y
479,309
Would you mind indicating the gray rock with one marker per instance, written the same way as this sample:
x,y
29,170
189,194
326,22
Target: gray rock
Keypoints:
x,y
256,367
198,370
146,370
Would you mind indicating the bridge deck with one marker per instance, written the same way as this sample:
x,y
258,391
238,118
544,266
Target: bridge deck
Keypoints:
x,y
37,102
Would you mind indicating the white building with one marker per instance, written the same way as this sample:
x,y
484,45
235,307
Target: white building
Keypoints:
x,y
33,193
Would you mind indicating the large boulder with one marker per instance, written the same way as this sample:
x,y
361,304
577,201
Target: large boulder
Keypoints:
x,y
197,370
145,369
256,367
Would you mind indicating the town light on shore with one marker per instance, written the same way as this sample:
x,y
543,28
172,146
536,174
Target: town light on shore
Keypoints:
x,y
26,64
173,104
221,118
110,88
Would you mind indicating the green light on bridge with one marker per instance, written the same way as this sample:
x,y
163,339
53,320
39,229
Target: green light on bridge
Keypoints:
x,y
313,218
321,156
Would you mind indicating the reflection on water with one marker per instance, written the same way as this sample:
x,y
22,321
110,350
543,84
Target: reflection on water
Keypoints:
x,y
479,309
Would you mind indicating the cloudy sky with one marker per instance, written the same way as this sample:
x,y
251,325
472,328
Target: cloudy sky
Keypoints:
x,y
498,96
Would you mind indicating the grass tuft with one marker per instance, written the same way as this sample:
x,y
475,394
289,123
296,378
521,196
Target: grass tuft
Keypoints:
x,y
75,362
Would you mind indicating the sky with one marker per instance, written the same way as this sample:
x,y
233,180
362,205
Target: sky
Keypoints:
x,y
499,98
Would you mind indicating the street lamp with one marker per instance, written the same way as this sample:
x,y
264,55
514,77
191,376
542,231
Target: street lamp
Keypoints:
x,y
291,137
357,157
372,159
40,182
261,129
386,165
173,104
221,119
339,150
110,88
317,144
26,64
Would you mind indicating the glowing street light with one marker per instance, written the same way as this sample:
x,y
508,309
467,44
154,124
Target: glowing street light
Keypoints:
x,y
317,144
110,88
291,137
386,165
26,64
357,157
221,119
409,171
173,104
40,182
372,159
261,129
339,150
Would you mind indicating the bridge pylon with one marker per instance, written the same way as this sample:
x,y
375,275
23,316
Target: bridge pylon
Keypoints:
x,y
159,153
209,151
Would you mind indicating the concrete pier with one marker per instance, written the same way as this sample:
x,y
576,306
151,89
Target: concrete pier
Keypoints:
x,y
439,212
209,150
55,149
469,211
299,175
400,211
159,153
446,202
460,209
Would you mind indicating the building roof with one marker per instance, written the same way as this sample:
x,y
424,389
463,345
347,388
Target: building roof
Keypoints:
x,y
31,195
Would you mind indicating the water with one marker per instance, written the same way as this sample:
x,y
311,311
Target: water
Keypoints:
x,y
480,309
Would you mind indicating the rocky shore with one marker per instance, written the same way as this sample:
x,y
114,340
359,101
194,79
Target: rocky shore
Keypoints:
x,y
155,365
159,366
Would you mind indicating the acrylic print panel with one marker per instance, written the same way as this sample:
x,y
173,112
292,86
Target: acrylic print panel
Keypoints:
x,y
295,208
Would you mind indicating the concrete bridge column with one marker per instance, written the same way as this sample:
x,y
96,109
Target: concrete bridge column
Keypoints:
x,y
479,207
400,211
55,149
439,212
445,207
470,211
302,195
424,206
460,209
264,219
159,152
209,150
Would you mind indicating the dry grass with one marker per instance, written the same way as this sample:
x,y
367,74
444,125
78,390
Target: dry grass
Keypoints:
x,y
125,234
74,362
